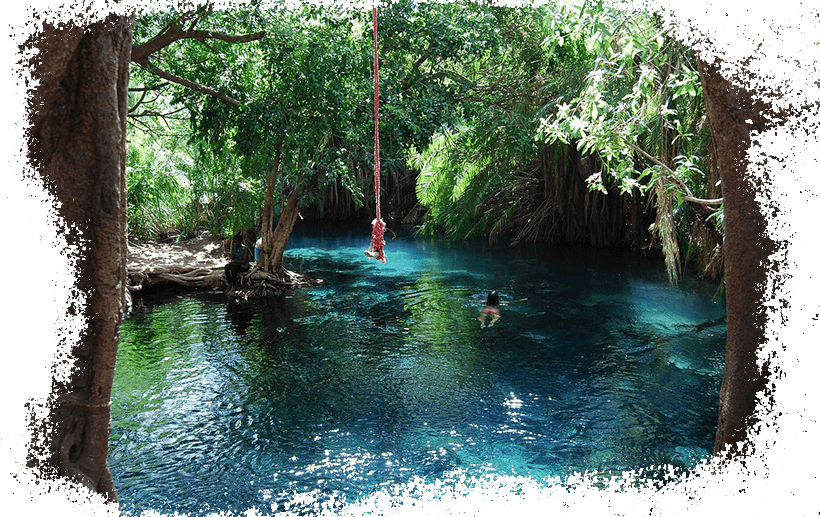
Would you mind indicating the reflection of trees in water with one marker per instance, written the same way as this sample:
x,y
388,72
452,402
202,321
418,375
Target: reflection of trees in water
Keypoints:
x,y
340,375
434,309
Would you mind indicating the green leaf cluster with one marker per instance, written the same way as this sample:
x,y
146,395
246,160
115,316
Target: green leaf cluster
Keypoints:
x,y
473,175
307,89
157,193
612,83
473,94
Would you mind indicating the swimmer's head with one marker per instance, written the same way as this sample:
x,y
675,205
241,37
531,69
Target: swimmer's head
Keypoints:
x,y
492,299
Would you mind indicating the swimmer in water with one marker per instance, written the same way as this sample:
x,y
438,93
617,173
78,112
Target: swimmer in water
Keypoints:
x,y
491,307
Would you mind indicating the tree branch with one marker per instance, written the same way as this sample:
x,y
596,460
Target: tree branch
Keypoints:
x,y
701,201
230,38
148,88
149,67
688,196
155,114
140,54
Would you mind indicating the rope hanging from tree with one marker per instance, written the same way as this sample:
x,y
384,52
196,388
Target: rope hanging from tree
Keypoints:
x,y
376,249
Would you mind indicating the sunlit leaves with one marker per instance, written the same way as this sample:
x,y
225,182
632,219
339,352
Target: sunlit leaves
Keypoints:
x,y
470,173
640,111
157,194
685,82
628,96
611,83
471,92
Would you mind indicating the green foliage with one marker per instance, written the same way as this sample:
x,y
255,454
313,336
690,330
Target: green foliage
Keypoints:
x,y
471,177
625,102
641,112
311,99
157,198
223,199
451,183
468,179
611,83
425,49
473,94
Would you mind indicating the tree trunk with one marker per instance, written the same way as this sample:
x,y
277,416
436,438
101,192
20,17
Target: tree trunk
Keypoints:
x,y
273,261
77,143
733,113
270,191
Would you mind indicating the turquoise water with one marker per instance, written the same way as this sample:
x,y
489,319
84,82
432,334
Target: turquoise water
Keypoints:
x,y
343,390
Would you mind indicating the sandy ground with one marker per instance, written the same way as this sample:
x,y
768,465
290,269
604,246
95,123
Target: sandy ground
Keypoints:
x,y
203,251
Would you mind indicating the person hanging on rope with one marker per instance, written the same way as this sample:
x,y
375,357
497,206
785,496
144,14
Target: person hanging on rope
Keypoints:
x,y
376,249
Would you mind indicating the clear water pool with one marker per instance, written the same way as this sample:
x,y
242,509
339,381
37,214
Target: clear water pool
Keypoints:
x,y
383,374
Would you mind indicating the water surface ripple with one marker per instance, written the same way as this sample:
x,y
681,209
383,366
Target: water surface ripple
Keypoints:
x,y
384,374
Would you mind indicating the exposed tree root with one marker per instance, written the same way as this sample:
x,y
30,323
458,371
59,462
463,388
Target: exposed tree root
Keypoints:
x,y
256,284
199,264
191,277
253,284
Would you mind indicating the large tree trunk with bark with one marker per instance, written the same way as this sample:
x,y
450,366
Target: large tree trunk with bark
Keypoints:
x,y
755,126
77,143
734,113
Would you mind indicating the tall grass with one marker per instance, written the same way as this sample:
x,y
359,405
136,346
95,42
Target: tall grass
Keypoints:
x,y
177,190
158,200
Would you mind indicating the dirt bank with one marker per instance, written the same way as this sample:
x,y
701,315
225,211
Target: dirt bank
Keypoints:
x,y
202,251
199,263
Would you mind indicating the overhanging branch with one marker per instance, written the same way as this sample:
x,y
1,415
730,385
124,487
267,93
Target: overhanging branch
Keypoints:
x,y
149,67
688,196
141,54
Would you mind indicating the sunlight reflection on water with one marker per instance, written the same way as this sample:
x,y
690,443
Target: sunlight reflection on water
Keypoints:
x,y
350,389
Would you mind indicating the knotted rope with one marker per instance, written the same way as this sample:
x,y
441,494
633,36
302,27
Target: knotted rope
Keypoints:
x,y
376,249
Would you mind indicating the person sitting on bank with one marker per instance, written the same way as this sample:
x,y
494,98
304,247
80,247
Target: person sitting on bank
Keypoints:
x,y
491,308
240,260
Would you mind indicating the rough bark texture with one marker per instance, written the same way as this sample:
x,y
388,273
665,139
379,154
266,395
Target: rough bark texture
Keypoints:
x,y
77,143
754,123
273,261
734,114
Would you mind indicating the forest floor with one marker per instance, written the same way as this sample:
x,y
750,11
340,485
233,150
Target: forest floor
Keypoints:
x,y
202,251
199,263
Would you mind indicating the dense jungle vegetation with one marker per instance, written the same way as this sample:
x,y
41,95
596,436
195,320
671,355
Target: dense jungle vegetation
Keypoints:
x,y
540,123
